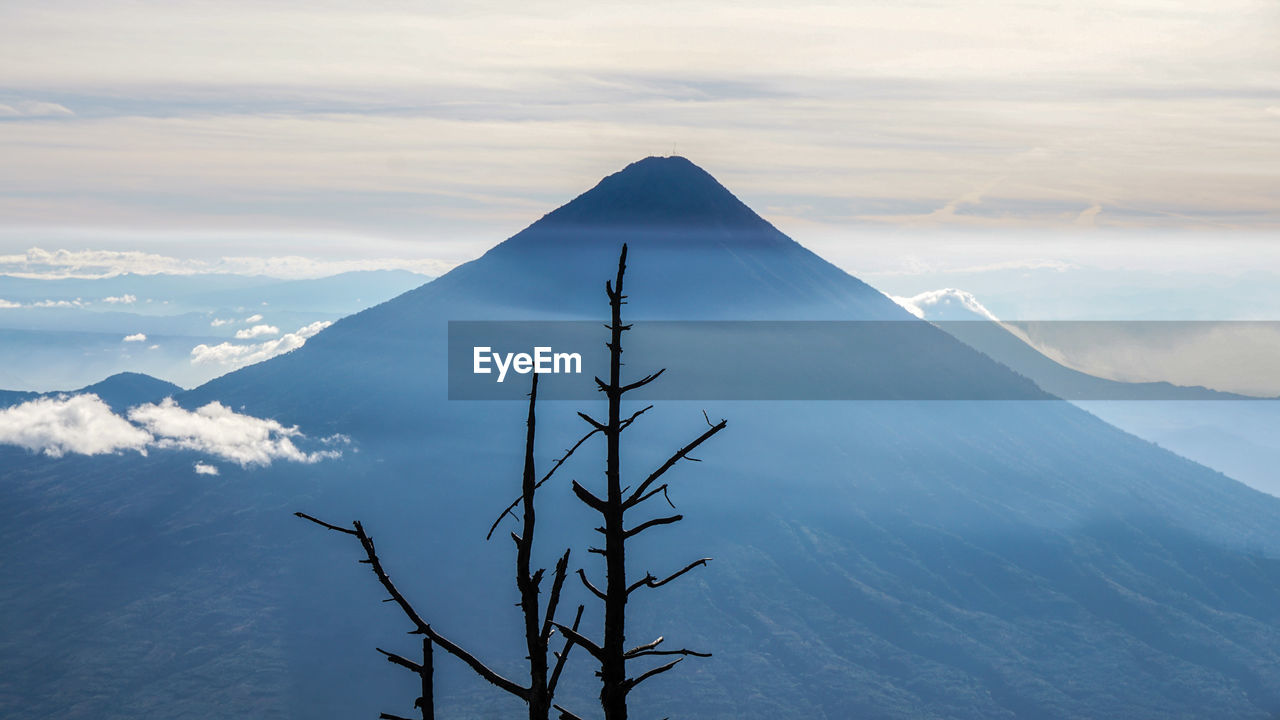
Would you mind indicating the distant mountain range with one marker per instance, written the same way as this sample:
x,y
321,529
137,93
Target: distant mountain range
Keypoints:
x,y
898,559
1234,434
62,332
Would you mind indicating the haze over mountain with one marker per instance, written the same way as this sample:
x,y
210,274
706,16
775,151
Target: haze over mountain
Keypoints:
x,y
64,332
872,559
1235,434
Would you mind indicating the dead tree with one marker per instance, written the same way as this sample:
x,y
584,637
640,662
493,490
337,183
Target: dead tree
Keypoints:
x,y
612,652
538,625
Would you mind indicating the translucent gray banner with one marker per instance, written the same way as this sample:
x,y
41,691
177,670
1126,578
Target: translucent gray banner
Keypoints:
x,y
873,360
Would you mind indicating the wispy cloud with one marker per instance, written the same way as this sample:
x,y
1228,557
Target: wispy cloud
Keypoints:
x,y
470,123
40,263
205,469
32,109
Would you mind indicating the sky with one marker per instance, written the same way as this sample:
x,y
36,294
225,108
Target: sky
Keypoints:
x,y
899,139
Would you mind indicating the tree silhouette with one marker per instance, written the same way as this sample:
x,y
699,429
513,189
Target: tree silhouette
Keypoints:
x,y
613,507
538,625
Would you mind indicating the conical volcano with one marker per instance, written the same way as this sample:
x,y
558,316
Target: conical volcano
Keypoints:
x,y
696,253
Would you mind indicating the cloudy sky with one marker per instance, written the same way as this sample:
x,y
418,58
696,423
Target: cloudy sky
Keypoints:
x,y
891,136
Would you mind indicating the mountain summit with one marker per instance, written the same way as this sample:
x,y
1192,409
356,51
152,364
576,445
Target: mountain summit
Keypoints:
x,y
668,193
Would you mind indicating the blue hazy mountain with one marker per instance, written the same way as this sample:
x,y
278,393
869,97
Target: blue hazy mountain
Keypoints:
x,y
120,391
898,559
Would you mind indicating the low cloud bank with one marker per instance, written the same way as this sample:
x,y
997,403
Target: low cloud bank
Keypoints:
x,y
81,424
216,429
85,425
232,354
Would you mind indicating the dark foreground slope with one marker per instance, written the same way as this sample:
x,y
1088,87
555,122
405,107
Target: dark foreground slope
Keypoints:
x,y
873,559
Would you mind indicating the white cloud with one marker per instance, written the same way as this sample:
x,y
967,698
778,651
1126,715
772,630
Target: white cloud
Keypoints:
x,y
236,355
945,304
218,430
57,303
6,304
136,337
257,331
85,425
121,300
33,108
81,424
253,318
219,322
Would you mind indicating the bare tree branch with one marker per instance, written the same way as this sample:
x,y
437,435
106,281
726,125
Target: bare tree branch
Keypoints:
x,y
420,626
681,453
652,523
552,471
578,639
587,497
646,646
324,524
641,382
557,583
401,661
565,714
681,651
563,656
599,426
587,583
632,682
652,582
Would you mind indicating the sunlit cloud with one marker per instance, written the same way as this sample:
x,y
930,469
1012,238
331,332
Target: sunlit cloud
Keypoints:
x,y
217,430
82,425
236,355
257,331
